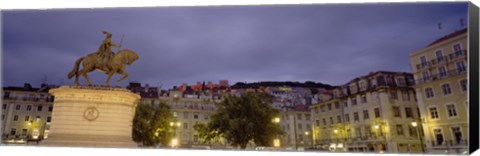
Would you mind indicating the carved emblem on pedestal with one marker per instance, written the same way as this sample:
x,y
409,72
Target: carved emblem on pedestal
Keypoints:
x,y
91,113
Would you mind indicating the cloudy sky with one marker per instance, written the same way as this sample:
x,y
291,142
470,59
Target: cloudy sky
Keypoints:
x,y
325,43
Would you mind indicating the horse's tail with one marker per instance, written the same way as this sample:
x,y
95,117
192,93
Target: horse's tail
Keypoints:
x,y
75,68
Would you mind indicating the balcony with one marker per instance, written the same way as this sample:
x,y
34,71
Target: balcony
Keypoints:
x,y
448,74
448,143
450,57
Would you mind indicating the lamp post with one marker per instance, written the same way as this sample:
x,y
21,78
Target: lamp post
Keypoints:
x,y
380,133
307,136
414,124
276,142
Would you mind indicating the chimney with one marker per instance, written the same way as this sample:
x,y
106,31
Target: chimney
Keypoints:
x,y
27,86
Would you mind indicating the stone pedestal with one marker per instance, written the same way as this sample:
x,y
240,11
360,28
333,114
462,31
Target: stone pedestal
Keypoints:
x,y
92,117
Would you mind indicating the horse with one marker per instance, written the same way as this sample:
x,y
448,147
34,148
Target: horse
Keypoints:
x,y
94,61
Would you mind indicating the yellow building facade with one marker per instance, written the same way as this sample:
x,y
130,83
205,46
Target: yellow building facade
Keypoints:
x,y
440,72
372,113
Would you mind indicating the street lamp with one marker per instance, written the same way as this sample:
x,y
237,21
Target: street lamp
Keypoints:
x,y
276,141
414,124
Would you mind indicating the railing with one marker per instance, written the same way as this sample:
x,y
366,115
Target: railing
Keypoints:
x,y
448,143
448,74
444,59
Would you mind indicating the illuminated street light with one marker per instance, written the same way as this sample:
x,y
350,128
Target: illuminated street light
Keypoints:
x,y
306,133
335,131
376,127
276,120
414,124
171,123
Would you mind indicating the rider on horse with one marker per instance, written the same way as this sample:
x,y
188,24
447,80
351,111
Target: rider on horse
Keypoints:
x,y
105,49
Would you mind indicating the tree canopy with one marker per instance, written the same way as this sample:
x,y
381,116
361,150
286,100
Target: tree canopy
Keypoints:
x,y
241,119
151,124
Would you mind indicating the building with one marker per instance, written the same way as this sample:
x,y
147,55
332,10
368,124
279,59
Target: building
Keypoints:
x,y
26,113
296,123
188,108
371,113
199,86
440,72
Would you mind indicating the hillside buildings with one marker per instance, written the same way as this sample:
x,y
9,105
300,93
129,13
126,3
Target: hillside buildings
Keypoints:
x,y
440,72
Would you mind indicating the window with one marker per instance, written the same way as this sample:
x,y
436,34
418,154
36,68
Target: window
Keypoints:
x,y
307,116
347,117
37,118
195,115
49,119
339,119
17,107
368,131
331,120
438,136
299,126
15,118
457,134
458,49
195,138
288,126
364,99
185,115
27,118
4,106
39,108
317,122
299,116
442,72
345,104
412,131
396,111
322,108
426,76
393,94
405,95
29,107
13,131
308,126
354,101
185,125
363,86
463,84
300,137
358,132
329,106
461,67
446,89
24,132
451,110
408,112
337,105
439,56
377,112
399,130
356,117
206,116
401,81
50,108
423,61
365,114
316,110
433,112
324,122
349,133
429,93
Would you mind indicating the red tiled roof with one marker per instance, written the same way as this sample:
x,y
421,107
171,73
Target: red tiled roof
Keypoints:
x,y
446,37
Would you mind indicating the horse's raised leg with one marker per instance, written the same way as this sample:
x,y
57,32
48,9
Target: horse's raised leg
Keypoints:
x,y
110,74
125,75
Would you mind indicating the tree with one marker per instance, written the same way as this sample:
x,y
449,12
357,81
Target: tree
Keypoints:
x,y
241,119
151,124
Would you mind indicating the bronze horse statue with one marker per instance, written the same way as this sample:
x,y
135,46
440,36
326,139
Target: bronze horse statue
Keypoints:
x,y
94,61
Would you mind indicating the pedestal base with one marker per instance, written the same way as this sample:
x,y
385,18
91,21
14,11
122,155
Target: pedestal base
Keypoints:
x,y
92,117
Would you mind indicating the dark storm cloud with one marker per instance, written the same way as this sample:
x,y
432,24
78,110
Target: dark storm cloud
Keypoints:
x,y
327,43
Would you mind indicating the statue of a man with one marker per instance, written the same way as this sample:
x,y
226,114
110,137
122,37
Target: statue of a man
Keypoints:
x,y
105,49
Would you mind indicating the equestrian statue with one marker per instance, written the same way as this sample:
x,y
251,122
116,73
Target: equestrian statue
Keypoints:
x,y
104,60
